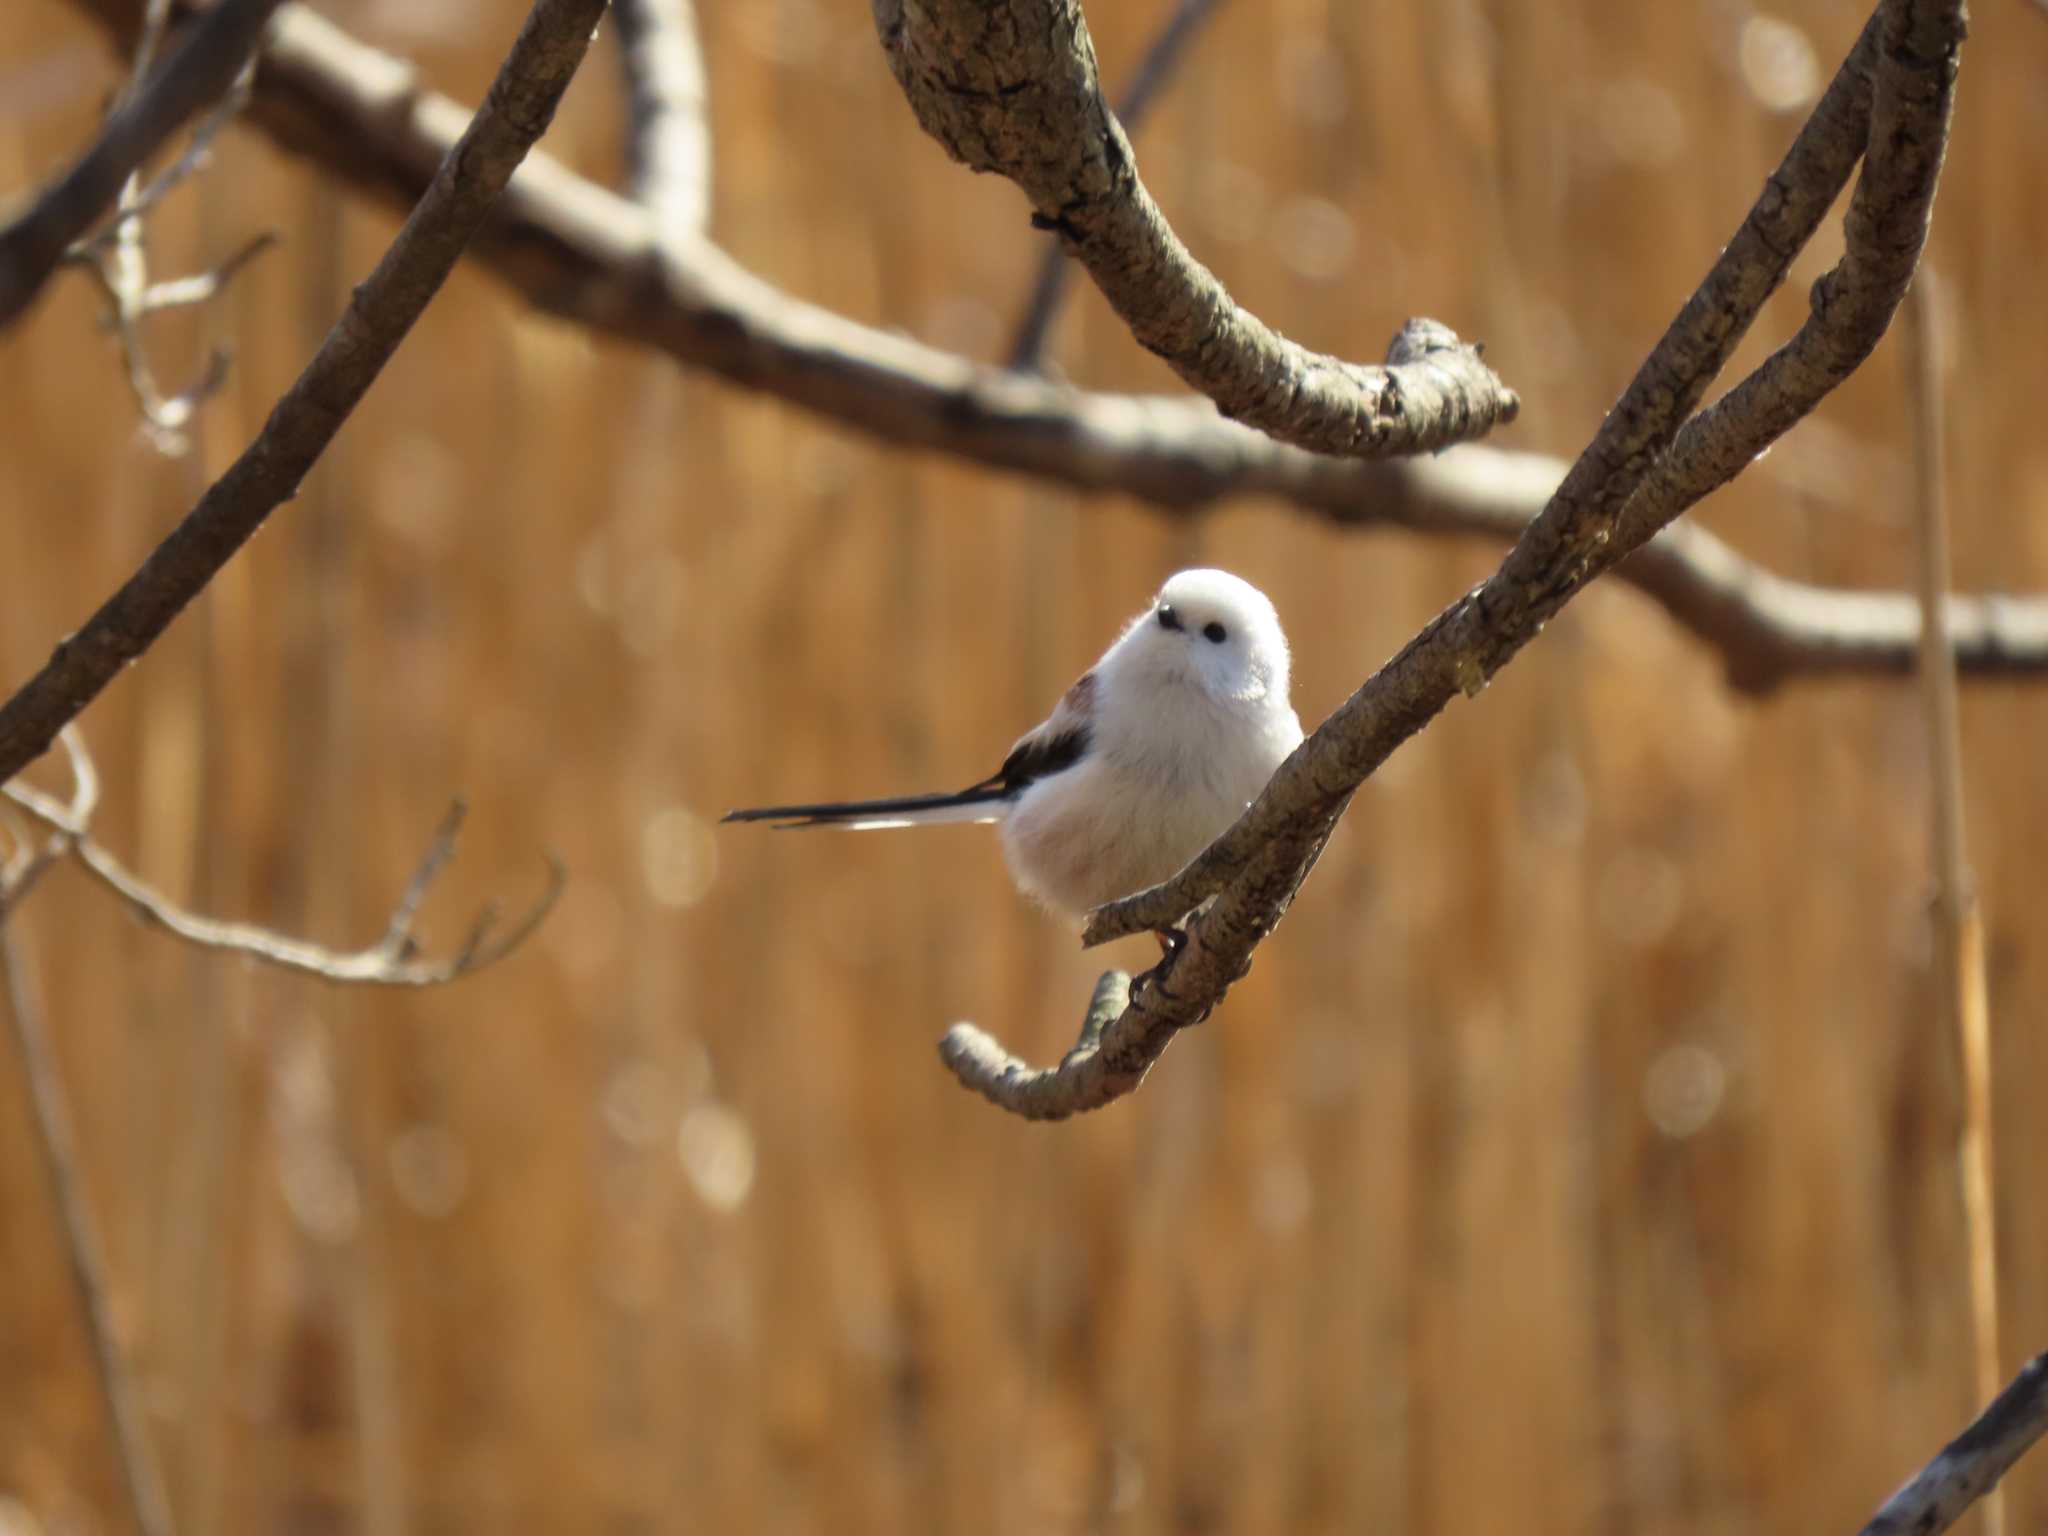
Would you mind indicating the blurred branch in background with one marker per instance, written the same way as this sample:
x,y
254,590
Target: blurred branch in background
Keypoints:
x,y
394,960
1014,90
201,70
668,165
1890,106
119,264
117,258
50,1112
1148,83
1958,920
1970,1465
581,251
381,312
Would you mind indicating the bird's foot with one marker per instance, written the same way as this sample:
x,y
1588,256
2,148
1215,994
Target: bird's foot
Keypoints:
x,y
1171,942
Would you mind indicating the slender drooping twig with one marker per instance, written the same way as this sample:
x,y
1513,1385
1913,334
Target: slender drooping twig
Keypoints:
x,y
1970,1465
382,310
580,251
1148,84
668,146
1013,89
1958,919
141,1473
1894,95
201,69
393,960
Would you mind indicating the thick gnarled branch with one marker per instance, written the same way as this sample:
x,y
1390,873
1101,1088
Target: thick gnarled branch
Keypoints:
x,y
1012,88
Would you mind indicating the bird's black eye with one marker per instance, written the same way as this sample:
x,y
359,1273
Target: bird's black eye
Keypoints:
x,y
1215,634
1168,619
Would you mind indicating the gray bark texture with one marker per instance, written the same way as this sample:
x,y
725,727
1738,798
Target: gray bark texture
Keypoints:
x,y
1012,88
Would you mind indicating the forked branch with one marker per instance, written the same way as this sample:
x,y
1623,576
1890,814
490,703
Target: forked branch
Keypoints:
x,y
395,959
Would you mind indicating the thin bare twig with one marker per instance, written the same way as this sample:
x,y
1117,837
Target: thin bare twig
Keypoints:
x,y
203,67
117,258
156,19
199,287
394,960
1958,919
1013,89
1970,1465
32,857
119,265
141,1473
587,254
668,162
521,103
1148,84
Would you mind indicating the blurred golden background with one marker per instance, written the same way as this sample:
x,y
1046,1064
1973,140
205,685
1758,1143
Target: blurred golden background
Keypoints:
x,y
1578,1156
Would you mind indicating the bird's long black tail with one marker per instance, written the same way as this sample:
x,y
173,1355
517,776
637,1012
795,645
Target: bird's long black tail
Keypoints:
x,y
980,802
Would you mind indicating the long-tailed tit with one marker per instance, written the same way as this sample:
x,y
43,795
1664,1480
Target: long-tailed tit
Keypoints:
x,y
1145,760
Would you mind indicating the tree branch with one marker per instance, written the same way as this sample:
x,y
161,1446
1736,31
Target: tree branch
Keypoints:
x,y
1970,1465
382,310
574,249
1012,88
202,69
669,146
1084,1078
118,260
141,1472
1148,82
394,960
32,858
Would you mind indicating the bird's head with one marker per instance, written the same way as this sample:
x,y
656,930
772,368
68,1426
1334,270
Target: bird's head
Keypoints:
x,y
1215,630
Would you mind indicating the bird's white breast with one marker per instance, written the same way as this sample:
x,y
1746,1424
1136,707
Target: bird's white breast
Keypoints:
x,y
1168,768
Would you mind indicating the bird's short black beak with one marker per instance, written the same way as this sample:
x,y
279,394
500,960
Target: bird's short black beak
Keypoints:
x,y
1168,619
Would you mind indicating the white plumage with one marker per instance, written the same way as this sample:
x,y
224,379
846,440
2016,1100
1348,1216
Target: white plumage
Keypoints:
x,y
1153,752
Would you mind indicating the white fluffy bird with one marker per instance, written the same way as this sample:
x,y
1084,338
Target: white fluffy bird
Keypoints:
x,y
1153,752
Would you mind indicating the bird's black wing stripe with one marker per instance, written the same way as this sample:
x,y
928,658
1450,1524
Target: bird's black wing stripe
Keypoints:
x,y
1038,757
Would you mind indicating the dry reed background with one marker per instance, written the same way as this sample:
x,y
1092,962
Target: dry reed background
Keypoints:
x,y
1580,1154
